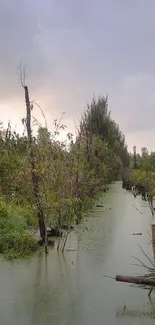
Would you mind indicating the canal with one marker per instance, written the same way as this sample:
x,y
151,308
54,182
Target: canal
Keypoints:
x,y
71,289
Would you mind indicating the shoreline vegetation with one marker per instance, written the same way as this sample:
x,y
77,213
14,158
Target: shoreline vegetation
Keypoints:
x,y
139,178
50,184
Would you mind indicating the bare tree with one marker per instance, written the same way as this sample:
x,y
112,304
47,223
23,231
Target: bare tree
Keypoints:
x,y
22,77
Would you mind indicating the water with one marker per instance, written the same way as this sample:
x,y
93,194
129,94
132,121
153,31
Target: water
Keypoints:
x,y
71,289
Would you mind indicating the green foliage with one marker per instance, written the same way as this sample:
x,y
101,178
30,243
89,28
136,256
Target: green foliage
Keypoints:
x,y
14,239
70,175
138,176
25,212
97,121
17,245
145,174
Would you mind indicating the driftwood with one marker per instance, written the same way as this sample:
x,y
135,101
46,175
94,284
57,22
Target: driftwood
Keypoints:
x,y
136,280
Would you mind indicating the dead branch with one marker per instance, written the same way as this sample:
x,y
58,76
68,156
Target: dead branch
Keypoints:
x,y
22,73
41,110
137,209
58,125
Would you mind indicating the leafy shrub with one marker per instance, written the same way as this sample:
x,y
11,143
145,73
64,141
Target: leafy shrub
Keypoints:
x,y
27,213
18,245
14,239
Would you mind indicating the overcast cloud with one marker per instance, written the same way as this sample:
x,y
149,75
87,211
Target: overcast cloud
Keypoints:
x,y
75,49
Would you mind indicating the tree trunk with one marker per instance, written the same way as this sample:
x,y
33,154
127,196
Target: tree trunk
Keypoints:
x,y
32,160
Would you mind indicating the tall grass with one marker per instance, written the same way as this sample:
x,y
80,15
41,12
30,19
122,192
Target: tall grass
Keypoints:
x,y
15,240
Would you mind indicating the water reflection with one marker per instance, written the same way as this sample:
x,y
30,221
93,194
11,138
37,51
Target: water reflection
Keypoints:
x,y
70,289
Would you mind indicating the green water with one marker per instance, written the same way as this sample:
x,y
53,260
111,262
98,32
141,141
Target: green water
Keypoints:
x,y
70,289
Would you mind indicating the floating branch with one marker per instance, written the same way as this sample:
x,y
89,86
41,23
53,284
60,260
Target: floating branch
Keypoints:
x,y
137,280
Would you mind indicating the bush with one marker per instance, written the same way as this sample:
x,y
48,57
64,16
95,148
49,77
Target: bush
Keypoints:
x,y
17,245
28,214
14,239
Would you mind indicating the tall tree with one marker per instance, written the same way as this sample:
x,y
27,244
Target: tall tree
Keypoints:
x,y
97,121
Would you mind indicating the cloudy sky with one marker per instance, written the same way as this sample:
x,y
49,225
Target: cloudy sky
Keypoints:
x,y
75,49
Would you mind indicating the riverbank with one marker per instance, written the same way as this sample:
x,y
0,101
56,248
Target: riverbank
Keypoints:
x,y
70,288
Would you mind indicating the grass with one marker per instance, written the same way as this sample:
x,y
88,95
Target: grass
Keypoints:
x,y
15,221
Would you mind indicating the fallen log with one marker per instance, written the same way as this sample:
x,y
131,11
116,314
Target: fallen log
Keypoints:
x,y
136,280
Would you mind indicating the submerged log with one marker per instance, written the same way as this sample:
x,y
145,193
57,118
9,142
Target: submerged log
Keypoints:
x,y
136,280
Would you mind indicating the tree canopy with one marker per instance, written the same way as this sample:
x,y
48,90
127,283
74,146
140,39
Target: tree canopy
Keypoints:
x,y
97,121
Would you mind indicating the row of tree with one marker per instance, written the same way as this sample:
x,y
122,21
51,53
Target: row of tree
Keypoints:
x,y
61,179
141,175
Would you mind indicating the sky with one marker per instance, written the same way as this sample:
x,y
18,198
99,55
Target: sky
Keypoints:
x,y
75,49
